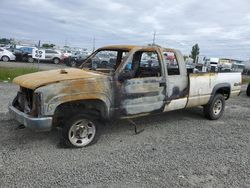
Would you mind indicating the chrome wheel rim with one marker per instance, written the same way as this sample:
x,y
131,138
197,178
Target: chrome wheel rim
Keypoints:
x,y
30,60
6,59
217,107
56,61
82,132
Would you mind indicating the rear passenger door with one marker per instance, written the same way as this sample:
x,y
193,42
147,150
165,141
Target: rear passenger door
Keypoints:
x,y
141,84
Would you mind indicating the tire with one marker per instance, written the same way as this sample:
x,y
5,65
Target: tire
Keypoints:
x,y
215,109
248,90
73,63
30,60
56,61
5,58
80,131
104,64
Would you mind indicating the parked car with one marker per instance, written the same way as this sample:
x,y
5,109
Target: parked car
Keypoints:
x,y
22,53
75,99
76,59
248,90
51,55
67,53
6,55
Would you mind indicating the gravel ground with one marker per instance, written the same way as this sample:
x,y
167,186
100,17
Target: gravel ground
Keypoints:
x,y
176,149
7,93
42,66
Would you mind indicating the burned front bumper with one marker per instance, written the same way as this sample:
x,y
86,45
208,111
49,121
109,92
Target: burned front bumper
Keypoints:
x,y
35,123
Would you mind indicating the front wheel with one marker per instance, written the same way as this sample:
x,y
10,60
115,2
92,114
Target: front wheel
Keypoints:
x,y
215,108
79,131
30,60
5,58
56,61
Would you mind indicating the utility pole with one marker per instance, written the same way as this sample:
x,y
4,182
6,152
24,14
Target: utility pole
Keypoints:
x,y
38,62
66,42
93,43
154,38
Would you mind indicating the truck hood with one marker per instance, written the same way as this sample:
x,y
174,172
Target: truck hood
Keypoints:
x,y
36,80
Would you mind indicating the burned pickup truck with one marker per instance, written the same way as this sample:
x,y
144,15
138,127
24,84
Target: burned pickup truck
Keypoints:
x,y
139,81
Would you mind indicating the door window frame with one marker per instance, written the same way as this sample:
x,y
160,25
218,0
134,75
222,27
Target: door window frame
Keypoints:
x,y
130,56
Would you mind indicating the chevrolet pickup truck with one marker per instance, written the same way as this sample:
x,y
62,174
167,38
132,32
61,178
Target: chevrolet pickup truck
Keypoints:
x,y
141,80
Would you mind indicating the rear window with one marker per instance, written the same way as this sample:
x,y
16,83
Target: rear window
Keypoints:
x,y
172,63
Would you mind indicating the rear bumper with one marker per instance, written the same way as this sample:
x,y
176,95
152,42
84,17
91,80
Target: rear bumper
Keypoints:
x,y
36,124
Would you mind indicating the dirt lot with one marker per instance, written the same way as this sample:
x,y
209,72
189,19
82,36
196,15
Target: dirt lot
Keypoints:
x,y
176,149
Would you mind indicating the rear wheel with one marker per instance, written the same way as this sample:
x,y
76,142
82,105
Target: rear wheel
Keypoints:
x,y
5,58
56,60
215,108
30,60
80,131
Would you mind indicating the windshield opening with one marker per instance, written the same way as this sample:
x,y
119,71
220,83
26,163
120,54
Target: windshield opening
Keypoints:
x,y
105,60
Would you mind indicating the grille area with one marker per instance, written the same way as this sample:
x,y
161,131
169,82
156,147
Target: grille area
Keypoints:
x,y
23,100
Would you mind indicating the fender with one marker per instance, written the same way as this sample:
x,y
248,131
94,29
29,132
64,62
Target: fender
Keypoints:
x,y
217,87
51,106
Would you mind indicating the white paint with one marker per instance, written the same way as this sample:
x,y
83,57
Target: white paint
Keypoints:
x,y
176,104
38,54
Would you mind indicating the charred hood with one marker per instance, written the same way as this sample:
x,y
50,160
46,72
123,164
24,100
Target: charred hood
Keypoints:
x,y
36,80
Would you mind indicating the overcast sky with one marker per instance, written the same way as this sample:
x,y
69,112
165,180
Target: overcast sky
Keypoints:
x,y
221,28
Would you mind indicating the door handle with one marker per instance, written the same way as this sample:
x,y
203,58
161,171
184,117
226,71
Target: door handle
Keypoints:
x,y
162,84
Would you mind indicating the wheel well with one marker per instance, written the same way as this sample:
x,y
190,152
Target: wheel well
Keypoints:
x,y
94,108
56,58
5,56
225,91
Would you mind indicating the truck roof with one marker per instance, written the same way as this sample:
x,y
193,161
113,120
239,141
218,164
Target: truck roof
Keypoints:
x,y
130,47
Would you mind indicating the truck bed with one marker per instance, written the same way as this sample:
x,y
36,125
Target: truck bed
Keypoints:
x,y
202,86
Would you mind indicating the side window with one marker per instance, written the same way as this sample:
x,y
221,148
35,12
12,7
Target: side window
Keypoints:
x,y
149,59
53,52
50,51
172,63
104,59
1,50
143,64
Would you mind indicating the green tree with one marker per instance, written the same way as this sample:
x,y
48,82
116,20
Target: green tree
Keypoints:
x,y
45,45
185,57
5,41
195,52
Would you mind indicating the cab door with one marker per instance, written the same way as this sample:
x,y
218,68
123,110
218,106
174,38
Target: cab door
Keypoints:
x,y
177,80
141,86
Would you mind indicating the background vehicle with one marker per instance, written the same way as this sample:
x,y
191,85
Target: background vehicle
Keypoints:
x,y
75,99
76,59
67,53
55,56
6,55
22,53
246,67
213,62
